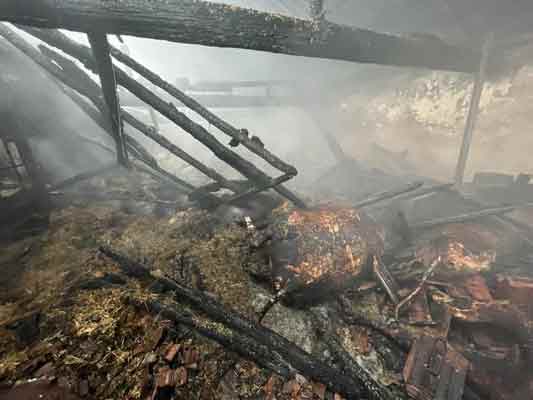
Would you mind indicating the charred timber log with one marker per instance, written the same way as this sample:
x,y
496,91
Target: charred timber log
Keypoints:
x,y
304,296
280,350
220,25
82,53
78,83
100,48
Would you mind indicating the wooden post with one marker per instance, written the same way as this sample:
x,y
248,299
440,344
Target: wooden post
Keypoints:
x,y
100,48
473,112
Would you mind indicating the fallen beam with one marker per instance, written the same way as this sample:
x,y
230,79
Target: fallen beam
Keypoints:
x,y
221,25
243,166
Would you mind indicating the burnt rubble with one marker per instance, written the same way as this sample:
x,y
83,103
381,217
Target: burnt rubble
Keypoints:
x,y
128,280
431,322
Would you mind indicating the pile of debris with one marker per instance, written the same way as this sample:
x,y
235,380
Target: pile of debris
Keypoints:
x,y
128,293
300,304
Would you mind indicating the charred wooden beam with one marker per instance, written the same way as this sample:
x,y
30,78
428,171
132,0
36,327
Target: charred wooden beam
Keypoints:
x,y
424,191
238,135
100,49
221,25
243,166
229,86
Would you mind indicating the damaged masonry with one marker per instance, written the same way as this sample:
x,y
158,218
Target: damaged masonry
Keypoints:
x,y
254,230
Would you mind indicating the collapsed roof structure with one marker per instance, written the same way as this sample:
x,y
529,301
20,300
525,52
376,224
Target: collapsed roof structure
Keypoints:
x,y
427,286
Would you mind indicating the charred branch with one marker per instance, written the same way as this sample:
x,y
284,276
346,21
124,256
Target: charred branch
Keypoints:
x,y
221,25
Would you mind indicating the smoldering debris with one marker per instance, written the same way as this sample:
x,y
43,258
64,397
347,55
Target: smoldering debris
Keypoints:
x,y
123,278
